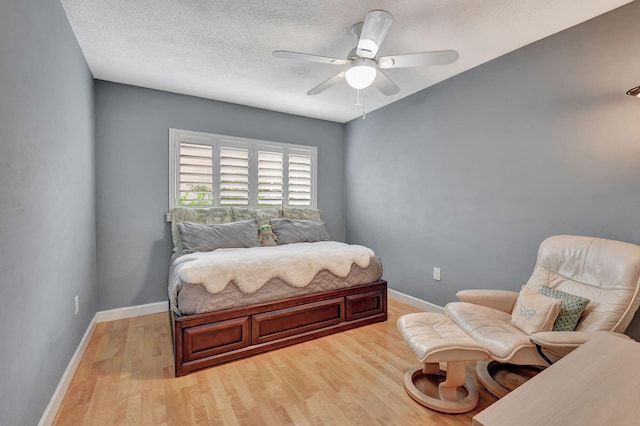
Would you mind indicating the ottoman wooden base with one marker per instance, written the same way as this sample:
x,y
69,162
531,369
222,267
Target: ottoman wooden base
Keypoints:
x,y
448,400
435,339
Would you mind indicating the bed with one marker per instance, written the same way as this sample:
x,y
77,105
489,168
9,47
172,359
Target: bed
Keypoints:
x,y
231,298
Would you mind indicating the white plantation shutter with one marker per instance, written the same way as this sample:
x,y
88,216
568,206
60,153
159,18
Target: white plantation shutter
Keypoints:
x,y
195,175
299,183
234,176
270,178
207,170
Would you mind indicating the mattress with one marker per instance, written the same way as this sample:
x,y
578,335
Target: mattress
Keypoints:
x,y
189,299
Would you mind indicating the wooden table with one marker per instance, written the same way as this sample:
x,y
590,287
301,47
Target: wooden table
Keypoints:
x,y
597,384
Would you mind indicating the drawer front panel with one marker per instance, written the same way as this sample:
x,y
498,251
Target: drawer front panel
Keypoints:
x,y
298,319
211,339
364,305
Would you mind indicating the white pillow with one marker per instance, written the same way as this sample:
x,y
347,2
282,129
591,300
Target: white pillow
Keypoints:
x,y
534,312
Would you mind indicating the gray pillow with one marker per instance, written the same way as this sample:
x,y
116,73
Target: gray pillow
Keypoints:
x,y
299,231
201,237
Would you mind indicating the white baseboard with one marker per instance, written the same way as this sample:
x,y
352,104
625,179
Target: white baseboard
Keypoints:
x,y
50,412
415,302
132,311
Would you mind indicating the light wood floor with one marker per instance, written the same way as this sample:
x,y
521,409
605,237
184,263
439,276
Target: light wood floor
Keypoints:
x,y
351,378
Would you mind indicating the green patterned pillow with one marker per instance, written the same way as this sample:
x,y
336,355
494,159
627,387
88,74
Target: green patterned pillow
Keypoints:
x,y
263,215
572,308
302,214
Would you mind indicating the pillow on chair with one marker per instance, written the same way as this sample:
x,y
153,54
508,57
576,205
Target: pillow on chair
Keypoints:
x,y
572,308
534,312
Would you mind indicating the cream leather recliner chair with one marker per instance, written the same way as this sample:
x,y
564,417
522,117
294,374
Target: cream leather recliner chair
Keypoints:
x,y
604,271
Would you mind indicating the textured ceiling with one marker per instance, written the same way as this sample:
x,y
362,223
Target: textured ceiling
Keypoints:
x,y
222,49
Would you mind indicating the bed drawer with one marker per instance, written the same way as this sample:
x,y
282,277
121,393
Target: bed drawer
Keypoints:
x,y
365,304
298,319
210,339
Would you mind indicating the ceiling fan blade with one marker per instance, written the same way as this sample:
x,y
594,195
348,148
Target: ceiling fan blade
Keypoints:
x,y
308,57
384,84
375,29
326,84
439,57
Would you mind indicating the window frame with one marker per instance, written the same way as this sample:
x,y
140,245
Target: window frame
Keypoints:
x,y
178,136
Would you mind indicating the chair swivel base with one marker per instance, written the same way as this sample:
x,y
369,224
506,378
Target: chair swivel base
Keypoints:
x,y
448,400
486,372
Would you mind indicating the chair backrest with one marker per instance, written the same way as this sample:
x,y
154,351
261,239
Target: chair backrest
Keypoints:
x,y
606,272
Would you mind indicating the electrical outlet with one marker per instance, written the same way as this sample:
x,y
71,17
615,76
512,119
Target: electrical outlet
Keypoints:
x,y
76,302
436,274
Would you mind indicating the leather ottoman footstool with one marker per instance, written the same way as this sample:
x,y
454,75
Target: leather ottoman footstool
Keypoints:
x,y
435,339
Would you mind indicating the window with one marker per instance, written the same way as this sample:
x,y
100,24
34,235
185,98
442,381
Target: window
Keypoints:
x,y
208,170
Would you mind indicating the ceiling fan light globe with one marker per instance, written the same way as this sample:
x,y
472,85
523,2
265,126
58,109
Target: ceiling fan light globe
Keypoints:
x,y
361,73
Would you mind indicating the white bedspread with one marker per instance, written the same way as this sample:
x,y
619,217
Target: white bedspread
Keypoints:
x,y
251,268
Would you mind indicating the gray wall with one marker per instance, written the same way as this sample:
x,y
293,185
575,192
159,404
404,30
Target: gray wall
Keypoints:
x,y
472,174
132,152
47,190
469,175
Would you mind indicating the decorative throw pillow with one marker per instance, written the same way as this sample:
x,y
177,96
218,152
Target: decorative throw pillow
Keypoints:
x,y
291,231
534,312
572,308
199,237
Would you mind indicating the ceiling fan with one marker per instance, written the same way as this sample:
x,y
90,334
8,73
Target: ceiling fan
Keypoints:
x,y
362,67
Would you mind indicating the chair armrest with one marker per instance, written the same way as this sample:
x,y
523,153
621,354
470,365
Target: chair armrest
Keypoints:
x,y
501,300
563,342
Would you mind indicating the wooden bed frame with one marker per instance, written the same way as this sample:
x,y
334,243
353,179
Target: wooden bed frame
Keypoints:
x,y
204,340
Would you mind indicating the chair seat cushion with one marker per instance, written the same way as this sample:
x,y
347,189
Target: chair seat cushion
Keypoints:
x,y
491,328
433,337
